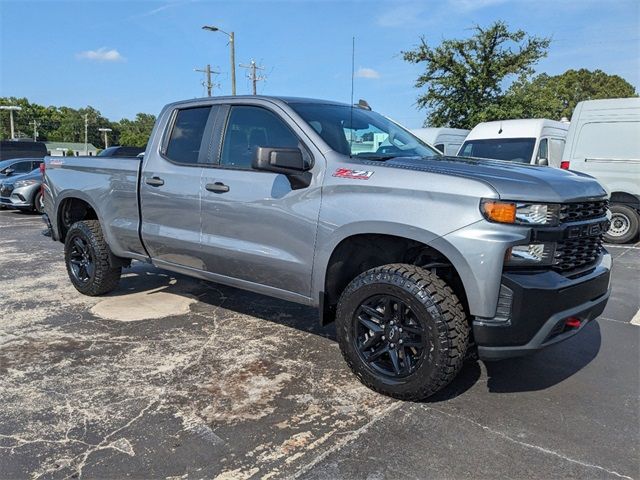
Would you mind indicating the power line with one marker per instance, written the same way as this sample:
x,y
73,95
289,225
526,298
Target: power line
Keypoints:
x,y
253,74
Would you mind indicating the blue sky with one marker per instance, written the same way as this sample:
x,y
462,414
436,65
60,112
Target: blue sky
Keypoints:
x,y
124,57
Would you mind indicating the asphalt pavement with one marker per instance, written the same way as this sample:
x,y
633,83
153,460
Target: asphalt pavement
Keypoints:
x,y
171,377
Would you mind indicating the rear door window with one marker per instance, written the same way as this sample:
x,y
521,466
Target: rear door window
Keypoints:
x,y
185,143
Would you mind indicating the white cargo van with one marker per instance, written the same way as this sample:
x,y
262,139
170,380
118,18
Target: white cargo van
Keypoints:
x,y
604,142
534,141
447,140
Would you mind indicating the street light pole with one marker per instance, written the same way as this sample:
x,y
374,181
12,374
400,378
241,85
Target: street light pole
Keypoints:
x,y
106,140
11,109
232,53
232,48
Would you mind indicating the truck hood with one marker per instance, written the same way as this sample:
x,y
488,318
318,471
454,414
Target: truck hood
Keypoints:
x,y
512,181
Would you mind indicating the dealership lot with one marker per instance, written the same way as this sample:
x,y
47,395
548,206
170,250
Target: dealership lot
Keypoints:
x,y
173,377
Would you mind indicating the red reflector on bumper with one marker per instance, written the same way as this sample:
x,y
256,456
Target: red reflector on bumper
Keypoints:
x,y
573,322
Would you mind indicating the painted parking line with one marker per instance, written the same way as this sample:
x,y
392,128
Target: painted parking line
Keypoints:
x,y
624,247
636,319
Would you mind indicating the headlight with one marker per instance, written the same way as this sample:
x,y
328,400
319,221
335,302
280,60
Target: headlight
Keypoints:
x,y
520,213
24,183
532,254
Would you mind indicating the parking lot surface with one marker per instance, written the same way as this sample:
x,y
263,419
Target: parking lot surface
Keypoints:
x,y
171,377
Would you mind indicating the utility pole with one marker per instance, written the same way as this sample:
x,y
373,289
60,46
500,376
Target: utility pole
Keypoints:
x,y
253,75
86,134
11,108
208,82
35,129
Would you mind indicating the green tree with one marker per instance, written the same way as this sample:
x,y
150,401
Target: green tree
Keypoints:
x,y
135,133
465,79
556,96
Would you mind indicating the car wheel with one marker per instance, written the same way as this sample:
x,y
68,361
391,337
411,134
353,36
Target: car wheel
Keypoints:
x,y
402,331
624,224
87,258
38,203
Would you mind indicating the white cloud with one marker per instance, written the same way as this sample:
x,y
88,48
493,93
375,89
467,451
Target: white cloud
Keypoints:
x,y
101,55
363,72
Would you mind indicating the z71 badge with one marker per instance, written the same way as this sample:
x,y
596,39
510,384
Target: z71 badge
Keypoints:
x,y
353,174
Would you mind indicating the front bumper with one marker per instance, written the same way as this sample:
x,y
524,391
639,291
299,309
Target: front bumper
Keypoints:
x,y
540,306
21,197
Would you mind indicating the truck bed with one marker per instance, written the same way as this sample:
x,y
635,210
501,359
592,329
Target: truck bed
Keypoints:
x,y
110,183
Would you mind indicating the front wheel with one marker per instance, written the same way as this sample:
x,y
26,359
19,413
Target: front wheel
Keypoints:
x,y
38,203
402,331
86,254
624,224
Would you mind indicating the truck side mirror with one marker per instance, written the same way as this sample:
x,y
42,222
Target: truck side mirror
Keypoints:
x,y
288,161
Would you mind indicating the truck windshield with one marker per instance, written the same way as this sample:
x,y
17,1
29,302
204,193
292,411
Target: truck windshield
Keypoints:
x,y
362,133
512,149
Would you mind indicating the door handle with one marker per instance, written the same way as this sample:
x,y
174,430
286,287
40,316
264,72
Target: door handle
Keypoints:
x,y
217,187
154,181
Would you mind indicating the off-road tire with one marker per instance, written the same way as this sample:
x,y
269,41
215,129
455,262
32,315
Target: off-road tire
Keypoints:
x,y
630,216
104,277
430,299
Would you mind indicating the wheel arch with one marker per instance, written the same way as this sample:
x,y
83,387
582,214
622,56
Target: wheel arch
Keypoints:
x,y
73,207
344,257
626,198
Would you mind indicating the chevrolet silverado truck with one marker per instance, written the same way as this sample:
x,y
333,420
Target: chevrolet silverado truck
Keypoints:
x,y
420,259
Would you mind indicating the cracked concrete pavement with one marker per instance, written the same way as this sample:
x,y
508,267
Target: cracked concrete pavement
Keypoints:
x,y
171,377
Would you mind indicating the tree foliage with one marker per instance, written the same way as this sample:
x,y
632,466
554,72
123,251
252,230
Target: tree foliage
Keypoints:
x,y
555,97
135,133
464,79
65,124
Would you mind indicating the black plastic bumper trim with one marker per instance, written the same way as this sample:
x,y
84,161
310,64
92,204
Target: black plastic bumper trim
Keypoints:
x,y
586,312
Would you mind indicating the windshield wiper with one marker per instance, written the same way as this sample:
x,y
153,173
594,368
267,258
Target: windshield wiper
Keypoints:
x,y
376,156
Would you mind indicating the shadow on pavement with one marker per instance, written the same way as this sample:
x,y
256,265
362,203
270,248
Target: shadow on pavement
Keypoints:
x,y
538,371
548,367
142,278
535,372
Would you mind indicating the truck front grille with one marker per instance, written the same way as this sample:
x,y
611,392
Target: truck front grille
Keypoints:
x,y
575,212
577,253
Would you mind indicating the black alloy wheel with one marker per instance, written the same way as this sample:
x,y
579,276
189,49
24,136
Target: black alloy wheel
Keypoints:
x,y
388,336
81,260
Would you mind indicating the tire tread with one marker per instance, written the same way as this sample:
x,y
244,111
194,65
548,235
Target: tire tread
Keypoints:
x,y
444,306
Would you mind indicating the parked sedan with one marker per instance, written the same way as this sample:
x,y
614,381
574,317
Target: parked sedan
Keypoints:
x,y
23,192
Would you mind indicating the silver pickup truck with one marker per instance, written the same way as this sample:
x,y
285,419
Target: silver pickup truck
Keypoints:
x,y
420,258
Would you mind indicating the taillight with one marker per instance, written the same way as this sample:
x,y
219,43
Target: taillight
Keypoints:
x,y
564,165
42,168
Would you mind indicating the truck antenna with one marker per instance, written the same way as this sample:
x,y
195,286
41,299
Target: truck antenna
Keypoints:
x,y
353,67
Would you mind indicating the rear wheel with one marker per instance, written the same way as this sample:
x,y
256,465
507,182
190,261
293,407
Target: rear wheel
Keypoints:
x,y
402,331
624,224
87,258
